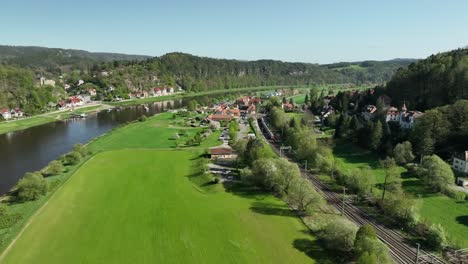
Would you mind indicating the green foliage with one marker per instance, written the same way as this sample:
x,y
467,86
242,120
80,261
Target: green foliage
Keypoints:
x,y
360,181
80,148
403,153
436,238
339,235
375,135
31,186
72,158
400,208
54,167
438,80
142,118
302,196
436,173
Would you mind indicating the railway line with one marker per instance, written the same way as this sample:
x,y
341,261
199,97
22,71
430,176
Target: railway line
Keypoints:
x,y
401,251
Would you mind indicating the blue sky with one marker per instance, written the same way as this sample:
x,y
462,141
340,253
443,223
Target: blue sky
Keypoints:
x,y
295,30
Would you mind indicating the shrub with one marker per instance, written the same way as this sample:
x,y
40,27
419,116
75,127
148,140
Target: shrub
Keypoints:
x,y
54,167
72,158
142,118
31,187
80,148
339,235
456,195
435,237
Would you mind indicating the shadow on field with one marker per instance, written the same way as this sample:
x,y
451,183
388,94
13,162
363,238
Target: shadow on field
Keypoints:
x,y
244,190
463,219
269,209
311,248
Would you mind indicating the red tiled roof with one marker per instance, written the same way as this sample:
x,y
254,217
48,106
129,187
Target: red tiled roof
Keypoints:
x,y
4,110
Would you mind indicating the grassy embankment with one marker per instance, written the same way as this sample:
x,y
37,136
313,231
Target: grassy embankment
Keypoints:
x,y
134,201
20,124
435,207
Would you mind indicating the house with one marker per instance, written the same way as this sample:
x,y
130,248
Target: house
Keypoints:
x,y
393,115
326,111
222,153
288,107
80,82
463,182
368,112
61,105
84,98
66,86
407,119
5,112
460,163
91,91
219,118
74,101
104,73
43,81
251,109
16,113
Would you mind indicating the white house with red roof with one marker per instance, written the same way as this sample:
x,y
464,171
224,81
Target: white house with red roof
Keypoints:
x,y
5,112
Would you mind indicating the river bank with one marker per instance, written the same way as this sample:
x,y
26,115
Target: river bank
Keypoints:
x,y
27,122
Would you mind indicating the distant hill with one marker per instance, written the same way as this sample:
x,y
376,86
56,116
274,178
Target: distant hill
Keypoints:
x,y
438,80
20,68
195,73
53,59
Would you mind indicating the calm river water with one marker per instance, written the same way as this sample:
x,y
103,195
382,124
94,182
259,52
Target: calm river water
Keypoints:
x,y
33,148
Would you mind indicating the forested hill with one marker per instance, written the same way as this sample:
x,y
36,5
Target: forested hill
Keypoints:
x,y
438,80
54,60
195,73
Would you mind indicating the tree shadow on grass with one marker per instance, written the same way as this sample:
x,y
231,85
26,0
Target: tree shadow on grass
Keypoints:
x,y
463,219
271,209
312,249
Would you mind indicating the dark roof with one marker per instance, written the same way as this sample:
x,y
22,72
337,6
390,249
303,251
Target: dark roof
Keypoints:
x,y
221,151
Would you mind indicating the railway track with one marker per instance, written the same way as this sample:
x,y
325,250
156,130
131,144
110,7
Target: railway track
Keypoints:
x,y
401,251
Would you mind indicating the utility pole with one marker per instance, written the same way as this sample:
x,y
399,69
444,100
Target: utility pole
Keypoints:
x,y
417,254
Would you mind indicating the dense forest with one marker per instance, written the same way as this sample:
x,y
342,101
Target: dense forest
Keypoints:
x,y
194,73
438,80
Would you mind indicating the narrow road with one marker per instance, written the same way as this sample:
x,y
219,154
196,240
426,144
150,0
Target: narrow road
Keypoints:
x,y
401,251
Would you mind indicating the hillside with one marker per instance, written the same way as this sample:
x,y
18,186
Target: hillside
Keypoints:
x,y
438,80
195,73
53,59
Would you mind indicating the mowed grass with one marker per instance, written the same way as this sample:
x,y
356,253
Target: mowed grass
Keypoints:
x,y
435,207
138,206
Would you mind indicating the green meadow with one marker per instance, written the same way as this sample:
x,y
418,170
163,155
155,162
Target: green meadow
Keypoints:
x,y
435,207
140,199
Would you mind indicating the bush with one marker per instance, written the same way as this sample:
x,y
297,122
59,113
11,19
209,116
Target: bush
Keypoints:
x,y
435,237
3,209
72,158
142,118
400,208
80,148
456,195
339,235
31,187
54,167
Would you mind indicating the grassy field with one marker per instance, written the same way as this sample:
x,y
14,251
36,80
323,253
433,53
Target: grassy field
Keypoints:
x,y
135,202
28,122
435,207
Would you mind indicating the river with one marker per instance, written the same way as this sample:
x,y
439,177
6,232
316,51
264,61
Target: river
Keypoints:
x,y
33,148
